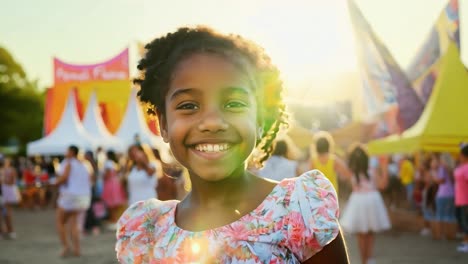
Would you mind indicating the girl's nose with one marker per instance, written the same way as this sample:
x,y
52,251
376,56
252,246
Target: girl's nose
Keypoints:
x,y
213,121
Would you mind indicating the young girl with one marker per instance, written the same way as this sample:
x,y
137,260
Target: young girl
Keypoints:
x,y
217,98
365,212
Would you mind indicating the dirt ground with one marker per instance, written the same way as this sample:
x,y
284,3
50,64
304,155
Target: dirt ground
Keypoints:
x,y
37,243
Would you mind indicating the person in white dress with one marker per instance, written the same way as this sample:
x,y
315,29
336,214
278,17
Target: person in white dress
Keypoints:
x,y
365,213
142,173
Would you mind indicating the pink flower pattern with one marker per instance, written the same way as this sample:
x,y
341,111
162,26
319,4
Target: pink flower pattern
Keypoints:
x,y
294,222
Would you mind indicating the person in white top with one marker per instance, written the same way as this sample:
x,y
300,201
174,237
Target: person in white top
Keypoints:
x,y
74,181
142,173
278,167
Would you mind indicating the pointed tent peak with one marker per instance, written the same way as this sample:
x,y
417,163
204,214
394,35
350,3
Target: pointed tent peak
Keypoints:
x,y
69,117
133,122
92,120
94,125
445,114
69,131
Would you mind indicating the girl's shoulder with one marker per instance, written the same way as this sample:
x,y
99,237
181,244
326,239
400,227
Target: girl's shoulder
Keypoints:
x,y
312,218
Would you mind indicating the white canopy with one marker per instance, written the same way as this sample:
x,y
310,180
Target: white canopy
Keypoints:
x,y
93,124
69,131
134,124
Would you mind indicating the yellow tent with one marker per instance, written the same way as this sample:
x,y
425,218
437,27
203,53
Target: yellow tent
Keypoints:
x,y
444,123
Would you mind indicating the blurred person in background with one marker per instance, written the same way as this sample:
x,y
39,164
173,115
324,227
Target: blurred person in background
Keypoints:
x,y
365,213
141,174
278,166
461,195
429,195
28,190
427,210
101,158
10,195
393,192
407,174
96,211
445,220
167,183
74,180
326,162
113,194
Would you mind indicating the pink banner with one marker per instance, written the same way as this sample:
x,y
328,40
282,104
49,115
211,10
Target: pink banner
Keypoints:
x,y
113,69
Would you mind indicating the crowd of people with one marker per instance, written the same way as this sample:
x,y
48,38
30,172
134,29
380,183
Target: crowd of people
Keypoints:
x,y
435,185
89,190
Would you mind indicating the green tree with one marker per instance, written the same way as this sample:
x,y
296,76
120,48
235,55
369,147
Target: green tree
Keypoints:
x,y
21,103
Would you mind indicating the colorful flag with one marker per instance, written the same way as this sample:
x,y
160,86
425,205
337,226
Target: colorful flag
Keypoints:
x,y
385,85
424,69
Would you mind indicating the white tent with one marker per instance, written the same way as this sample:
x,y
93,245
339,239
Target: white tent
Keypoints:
x,y
93,124
69,131
134,125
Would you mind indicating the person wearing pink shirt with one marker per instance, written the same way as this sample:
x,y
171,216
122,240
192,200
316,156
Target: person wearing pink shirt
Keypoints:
x,y
461,195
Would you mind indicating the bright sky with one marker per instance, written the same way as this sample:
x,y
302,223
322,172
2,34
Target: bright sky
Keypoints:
x,y
306,39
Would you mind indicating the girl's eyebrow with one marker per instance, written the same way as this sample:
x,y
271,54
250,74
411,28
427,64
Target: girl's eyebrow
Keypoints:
x,y
240,90
181,91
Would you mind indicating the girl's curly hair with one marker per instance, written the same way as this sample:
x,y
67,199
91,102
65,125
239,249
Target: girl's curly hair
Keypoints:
x,y
164,53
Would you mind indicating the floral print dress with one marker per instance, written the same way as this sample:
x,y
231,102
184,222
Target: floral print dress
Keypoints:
x,y
294,222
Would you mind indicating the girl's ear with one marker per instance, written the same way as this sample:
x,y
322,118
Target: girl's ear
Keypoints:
x,y
163,127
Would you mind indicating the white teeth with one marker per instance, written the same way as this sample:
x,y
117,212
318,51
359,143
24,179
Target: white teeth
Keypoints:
x,y
212,147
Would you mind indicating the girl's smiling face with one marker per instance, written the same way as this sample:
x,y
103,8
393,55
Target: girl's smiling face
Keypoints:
x,y
211,116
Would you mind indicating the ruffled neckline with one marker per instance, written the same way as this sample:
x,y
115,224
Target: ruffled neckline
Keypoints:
x,y
242,219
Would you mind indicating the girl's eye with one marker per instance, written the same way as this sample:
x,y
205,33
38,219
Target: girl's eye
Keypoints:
x,y
235,105
187,106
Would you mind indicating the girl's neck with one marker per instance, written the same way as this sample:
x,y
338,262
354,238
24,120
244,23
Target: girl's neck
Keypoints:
x,y
227,191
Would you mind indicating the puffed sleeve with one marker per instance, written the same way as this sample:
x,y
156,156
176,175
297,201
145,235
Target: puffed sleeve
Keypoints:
x,y
312,220
135,232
